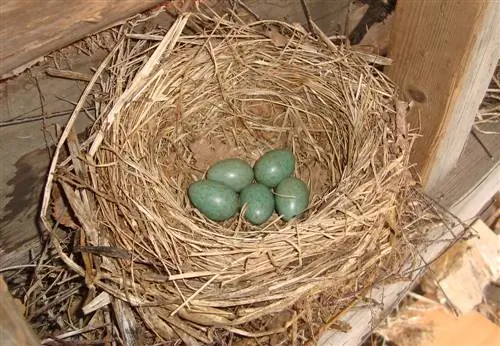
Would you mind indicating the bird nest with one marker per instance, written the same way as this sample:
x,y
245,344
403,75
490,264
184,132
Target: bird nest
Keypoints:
x,y
171,103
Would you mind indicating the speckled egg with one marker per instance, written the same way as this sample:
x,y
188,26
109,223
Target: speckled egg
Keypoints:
x,y
274,166
215,200
259,202
234,173
292,198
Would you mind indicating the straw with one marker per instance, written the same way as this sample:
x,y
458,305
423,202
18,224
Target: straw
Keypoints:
x,y
168,105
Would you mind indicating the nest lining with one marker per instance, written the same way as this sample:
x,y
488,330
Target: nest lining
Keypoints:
x,y
169,109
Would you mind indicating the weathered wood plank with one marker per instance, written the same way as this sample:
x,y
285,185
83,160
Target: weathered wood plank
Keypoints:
x,y
329,15
18,220
476,178
444,53
30,29
14,330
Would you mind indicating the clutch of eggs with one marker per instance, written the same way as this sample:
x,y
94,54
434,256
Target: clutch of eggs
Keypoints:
x,y
217,197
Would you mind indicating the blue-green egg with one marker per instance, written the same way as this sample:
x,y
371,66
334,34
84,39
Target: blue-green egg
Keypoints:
x,y
215,200
292,198
259,202
274,166
234,173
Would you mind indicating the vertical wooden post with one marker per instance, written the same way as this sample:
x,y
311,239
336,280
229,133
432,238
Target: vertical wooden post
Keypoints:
x,y
444,53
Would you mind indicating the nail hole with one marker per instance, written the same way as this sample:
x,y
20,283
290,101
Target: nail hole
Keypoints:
x,y
417,95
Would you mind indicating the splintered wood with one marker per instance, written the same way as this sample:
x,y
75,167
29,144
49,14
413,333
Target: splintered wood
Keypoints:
x,y
456,293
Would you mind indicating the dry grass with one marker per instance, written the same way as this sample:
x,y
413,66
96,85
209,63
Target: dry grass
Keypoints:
x,y
171,103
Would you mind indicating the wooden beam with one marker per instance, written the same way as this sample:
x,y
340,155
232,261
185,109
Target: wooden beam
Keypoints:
x,y
30,29
444,53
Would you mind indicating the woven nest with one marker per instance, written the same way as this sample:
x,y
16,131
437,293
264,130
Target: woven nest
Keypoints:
x,y
168,105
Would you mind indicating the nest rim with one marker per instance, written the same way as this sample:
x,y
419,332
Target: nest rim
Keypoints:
x,y
259,304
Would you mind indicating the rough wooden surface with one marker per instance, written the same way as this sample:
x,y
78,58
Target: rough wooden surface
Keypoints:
x,y
21,208
444,55
14,330
476,178
30,29
329,15
24,156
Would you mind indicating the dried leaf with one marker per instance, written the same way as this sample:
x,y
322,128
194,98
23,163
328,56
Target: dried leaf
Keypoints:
x,y
276,37
60,211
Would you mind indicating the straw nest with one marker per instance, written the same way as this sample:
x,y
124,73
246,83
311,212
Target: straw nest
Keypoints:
x,y
168,105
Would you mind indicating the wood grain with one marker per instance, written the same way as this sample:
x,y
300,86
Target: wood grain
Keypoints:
x,y
18,219
30,29
14,330
444,54
329,15
476,178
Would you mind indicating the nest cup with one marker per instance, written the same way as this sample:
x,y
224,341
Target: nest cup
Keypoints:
x,y
173,105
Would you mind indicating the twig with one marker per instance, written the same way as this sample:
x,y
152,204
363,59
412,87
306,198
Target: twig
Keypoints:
x,y
23,266
307,14
40,117
42,106
73,333
67,74
422,298
332,320
487,151
56,301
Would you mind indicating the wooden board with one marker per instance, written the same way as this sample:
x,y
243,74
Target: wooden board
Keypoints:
x,y
476,178
14,329
25,158
18,220
444,55
29,29
329,15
